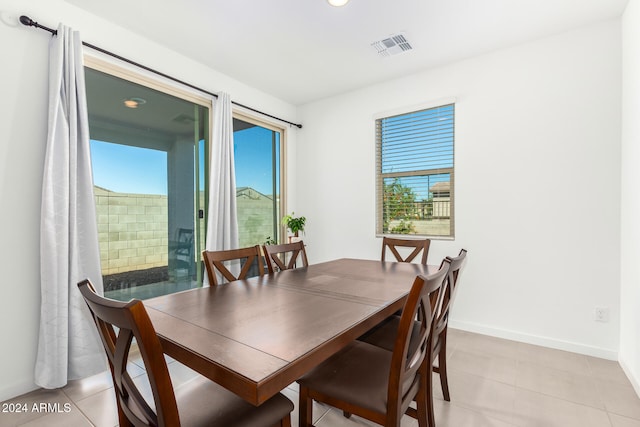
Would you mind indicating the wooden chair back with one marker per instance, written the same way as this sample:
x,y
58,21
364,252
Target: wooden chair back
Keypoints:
x,y
449,293
215,261
277,256
132,321
418,245
412,354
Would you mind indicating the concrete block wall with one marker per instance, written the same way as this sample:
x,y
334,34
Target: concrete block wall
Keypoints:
x,y
255,221
132,231
133,228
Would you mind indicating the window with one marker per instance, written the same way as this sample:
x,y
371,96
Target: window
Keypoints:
x,y
257,153
414,173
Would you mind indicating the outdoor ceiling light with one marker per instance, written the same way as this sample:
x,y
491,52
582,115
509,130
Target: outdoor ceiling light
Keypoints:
x,y
338,3
134,102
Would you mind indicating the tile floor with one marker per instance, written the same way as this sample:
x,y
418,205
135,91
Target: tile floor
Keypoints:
x,y
493,382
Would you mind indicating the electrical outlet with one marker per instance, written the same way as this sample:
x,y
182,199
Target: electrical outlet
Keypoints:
x,y
601,314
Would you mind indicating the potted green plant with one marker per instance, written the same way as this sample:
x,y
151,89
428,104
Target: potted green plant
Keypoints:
x,y
294,224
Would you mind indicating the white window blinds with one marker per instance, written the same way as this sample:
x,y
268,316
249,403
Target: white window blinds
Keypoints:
x,y
415,172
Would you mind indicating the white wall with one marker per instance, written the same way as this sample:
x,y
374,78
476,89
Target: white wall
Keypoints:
x,y
23,124
538,134
630,265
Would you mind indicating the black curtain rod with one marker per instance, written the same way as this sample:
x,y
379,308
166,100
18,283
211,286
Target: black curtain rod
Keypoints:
x,y
25,20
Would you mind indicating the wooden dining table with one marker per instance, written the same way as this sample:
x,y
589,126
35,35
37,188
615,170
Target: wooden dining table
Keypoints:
x,y
257,336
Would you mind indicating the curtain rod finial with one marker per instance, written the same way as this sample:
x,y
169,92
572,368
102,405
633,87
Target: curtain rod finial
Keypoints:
x,y
25,20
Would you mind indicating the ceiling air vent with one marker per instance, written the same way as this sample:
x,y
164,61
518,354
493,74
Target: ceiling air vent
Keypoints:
x,y
392,45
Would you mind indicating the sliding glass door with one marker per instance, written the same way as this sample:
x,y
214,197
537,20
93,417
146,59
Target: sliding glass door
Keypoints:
x,y
258,156
149,151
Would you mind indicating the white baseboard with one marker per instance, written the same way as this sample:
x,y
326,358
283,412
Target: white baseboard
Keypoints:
x,y
635,382
536,340
14,390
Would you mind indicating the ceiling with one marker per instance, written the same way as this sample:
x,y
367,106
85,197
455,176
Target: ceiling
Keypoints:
x,y
304,50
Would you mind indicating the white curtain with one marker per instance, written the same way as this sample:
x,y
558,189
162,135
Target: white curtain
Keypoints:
x,y
222,221
68,344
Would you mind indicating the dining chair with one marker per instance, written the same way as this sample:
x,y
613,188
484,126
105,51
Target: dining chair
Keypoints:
x,y
199,402
375,383
393,245
181,250
277,255
384,335
248,258
441,324
419,245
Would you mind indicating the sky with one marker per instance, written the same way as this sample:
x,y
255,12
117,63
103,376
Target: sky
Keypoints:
x,y
253,159
128,169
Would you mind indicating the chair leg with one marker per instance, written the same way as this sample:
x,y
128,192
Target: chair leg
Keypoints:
x,y
429,400
305,408
346,414
286,421
421,402
442,367
123,420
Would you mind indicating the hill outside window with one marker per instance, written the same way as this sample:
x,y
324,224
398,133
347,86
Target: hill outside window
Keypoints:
x,y
415,173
